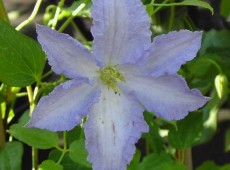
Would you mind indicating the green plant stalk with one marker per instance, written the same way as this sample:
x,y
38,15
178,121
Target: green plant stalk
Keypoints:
x,y
22,94
172,4
32,16
3,13
172,16
186,3
30,97
78,31
64,150
47,74
188,158
147,147
215,64
189,23
210,117
32,106
34,158
74,14
158,7
58,10
180,155
2,131
9,102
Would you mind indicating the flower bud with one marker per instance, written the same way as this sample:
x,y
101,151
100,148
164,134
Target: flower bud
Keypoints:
x,y
221,85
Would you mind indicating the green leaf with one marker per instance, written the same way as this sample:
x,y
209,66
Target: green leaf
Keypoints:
x,y
215,39
161,161
149,9
225,167
134,164
21,58
210,112
208,165
74,134
10,156
24,118
197,3
153,137
78,153
38,138
188,131
225,8
49,164
66,162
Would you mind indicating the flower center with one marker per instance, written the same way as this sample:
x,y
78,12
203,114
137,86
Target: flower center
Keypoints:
x,y
110,76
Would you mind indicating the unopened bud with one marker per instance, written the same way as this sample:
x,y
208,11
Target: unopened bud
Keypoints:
x,y
221,85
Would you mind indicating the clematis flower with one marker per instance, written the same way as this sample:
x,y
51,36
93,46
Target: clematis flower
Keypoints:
x,y
124,74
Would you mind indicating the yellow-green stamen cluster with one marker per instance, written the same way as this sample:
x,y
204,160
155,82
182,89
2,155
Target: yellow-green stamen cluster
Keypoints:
x,y
110,76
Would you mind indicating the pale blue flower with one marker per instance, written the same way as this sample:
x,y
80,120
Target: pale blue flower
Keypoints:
x,y
124,74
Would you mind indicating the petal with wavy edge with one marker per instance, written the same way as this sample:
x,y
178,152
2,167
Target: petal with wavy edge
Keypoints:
x,y
170,51
168,96
120,32
65,55
65,107
114,126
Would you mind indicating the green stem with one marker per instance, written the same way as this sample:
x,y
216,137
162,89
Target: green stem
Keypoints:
x,y
169,4
30,94
188,159
23,94
3,13
47,74
190,26
9,99
30,97
2,131
180,156
64,150
158,7
58,10
147,147
32,16
215,64
74,14
172,16
78,31
34,158
187,3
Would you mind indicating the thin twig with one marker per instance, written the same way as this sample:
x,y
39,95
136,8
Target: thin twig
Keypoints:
x,y
32,16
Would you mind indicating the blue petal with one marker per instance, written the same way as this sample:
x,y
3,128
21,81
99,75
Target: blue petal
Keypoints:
x,y
168,96
114,126
121,30
65,107
65,55
170,51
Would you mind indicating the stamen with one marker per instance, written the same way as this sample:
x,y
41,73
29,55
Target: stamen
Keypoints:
x,y
110,76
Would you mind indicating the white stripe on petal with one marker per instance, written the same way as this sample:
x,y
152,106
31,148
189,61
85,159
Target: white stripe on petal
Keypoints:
x,y
114,126
121,30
